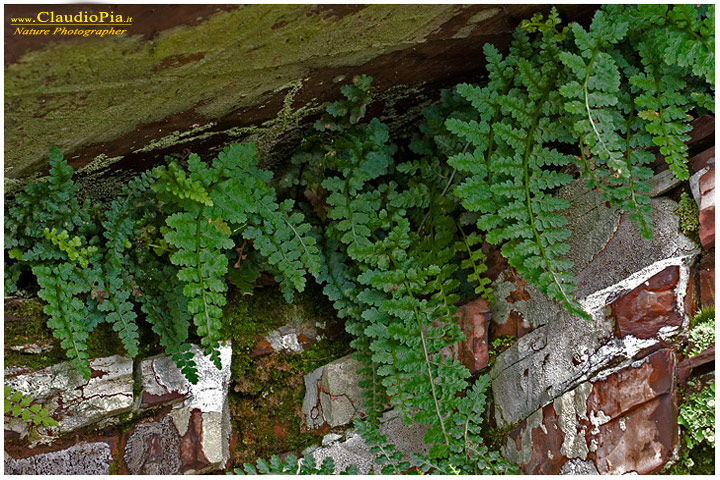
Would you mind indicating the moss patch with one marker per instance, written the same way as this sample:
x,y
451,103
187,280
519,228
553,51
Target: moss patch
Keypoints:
x,y
267,392
247,317
698,461
26,323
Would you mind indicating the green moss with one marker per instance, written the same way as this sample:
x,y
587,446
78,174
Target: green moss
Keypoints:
x,y
247,317
320,353
26,323
72,94
99,163
267,392
702,332
698,461
687,211
499,345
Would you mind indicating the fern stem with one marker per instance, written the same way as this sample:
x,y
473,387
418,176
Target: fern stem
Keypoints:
x,y
528,197
596,51
429,373
299,237
631,182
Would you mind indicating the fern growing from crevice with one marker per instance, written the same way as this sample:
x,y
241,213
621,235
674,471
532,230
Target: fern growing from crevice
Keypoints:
x,y
391,268
171,234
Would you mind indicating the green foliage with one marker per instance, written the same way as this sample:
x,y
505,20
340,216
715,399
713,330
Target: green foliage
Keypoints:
x,y
164,247
512,170
394,233
702,333
290,465
697,417
392,269
602,92
689,215
21,406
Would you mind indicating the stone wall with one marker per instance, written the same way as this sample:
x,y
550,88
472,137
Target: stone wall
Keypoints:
x,y
136,418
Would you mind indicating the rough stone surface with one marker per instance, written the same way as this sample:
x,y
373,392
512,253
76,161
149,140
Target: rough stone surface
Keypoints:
x,y
153,449
162,382
707,279
352,448
311,407
625,422
332,394
74,401
203,75
611,260
475,322
203,419
578,467
199,421
80,459
627,252
707,209
294,337
663,182
649,307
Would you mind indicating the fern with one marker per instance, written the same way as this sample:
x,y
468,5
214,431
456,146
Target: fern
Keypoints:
x,y
390,267
22,406
68,314
512,171
290,465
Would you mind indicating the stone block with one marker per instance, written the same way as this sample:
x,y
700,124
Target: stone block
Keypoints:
x,y
625,422
643,311
474,322
293,337
162,382
351,448
332,394
641,441
199,422
84,458
707,279
613,263
707,209
73,401
153,449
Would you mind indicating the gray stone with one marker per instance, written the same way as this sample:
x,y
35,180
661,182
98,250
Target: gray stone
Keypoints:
x,y
209,399
287,339
336,410
663,182
576,466
406,438
162,381
33,348
332,394
154,449
330,438
73,401
695,183
352,450
564,350
341,378
80,459
626,252
311,407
